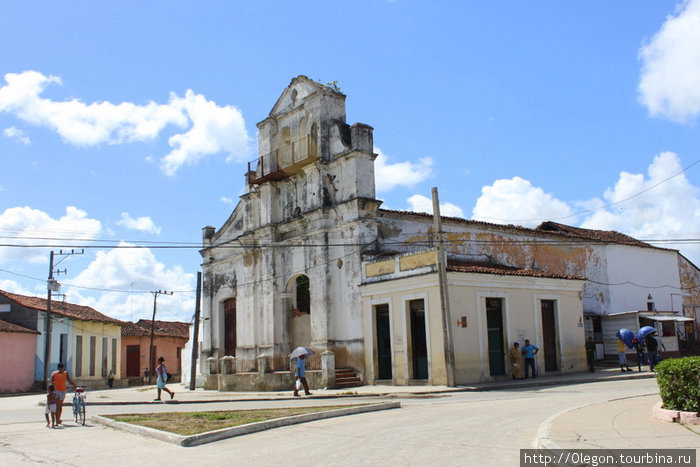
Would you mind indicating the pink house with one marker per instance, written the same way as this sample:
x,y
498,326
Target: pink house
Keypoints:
x,y
169,338
17,351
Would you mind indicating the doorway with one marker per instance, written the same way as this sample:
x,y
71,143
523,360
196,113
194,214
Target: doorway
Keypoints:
x,y
419,346
383,342
494,325
300,322
133,361
549,336
230,327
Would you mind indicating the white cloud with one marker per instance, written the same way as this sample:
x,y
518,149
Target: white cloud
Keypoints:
x,y
210,129
663,205
13,287
17,134
516,201
125,269
388,176
420,203
669,85
227,201
27,226
214,130
143,224
670,210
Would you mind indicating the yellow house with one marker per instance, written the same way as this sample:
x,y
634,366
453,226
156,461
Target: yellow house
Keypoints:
x,y
97,351
490,307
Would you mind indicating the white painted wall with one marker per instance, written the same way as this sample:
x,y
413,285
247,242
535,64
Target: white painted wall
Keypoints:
x,y
634,273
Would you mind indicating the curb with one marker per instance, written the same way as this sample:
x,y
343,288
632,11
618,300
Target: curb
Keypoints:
x,y
675,416
225,433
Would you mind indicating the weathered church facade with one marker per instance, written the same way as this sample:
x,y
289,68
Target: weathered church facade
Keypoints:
x,y
308,258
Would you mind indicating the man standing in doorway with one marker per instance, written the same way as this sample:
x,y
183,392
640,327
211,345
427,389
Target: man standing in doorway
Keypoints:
x,y
529,350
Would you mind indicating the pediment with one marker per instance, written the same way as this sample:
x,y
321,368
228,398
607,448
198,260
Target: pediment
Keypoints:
x,y
294,94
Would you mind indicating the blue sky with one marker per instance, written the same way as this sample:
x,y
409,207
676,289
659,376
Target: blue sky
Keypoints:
x,y
131,123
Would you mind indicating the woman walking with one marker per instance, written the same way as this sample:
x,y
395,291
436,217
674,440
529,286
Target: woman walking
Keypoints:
x,y
162,373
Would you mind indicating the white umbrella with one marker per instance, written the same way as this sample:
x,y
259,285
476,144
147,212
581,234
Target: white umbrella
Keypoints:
x,y
299,351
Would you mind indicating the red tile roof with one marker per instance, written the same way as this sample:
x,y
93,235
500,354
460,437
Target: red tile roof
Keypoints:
x,y
69,310
11,327
608,236
489,268
546,228
161,329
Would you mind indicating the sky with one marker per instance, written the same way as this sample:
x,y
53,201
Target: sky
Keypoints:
x,y
126,127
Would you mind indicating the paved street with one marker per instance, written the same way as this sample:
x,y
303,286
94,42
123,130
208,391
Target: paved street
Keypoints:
x,y
462,428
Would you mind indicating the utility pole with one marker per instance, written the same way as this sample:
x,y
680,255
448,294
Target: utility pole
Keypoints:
x,y
52,286
195,334
444,292
153,327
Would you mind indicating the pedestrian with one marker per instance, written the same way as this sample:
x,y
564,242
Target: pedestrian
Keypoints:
x,y
516,361
51,402
621,357
300,376
639,348
110,379
58,379
590,354
529,350
652,350
162,378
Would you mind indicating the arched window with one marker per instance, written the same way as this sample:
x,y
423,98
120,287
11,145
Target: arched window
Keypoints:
x,y
302,297
313,140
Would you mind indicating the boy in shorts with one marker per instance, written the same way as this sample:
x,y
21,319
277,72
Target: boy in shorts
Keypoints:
x,y
51,401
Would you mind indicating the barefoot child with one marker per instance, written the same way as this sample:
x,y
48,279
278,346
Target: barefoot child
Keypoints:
x,y
51,401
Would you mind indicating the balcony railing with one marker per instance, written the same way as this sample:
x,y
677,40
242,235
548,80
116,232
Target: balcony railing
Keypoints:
x,y
282,162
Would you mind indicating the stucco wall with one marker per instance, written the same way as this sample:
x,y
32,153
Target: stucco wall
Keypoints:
x,y
635,273
99,330
17,351
165,347
59,325
521,296
619,277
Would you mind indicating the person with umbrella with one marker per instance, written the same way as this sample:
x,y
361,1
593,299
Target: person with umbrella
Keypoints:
x,y
639,347
645,335
300,354
624,340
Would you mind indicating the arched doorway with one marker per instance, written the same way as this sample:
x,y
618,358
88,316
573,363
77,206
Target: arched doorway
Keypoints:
x,y
230,327
300,311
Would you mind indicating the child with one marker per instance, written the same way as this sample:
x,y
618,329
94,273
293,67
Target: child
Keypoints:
x,y
51,401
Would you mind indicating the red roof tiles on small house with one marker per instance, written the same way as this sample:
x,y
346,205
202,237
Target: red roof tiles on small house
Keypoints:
x,y
161,329
499,269
11,327
69,310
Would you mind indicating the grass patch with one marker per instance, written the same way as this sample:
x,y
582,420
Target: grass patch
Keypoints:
x,y
192,423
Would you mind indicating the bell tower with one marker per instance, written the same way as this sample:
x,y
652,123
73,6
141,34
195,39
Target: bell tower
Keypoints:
x,y
308,156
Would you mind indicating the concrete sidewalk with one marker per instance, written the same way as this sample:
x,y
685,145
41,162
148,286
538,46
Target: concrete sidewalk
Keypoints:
x,y
146,394
617,424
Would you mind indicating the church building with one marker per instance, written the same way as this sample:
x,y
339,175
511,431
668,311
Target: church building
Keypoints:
x,y
308,258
